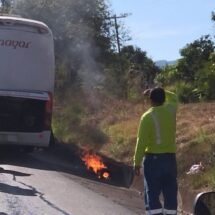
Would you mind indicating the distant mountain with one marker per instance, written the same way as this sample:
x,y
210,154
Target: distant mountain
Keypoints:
x,y
163,63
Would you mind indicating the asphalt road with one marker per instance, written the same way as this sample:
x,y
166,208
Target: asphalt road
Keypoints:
x,y
56,182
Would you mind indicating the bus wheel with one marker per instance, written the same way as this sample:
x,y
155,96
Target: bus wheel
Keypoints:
x,y
52,139
28,149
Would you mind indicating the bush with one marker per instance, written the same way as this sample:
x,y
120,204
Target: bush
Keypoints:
x,y
187,92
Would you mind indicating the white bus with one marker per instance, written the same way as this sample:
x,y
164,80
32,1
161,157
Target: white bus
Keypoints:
x,y
26,82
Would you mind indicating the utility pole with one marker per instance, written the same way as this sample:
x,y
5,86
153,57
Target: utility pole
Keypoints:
x,y
121,82
115,17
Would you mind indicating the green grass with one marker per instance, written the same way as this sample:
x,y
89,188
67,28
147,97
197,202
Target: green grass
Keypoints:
x,y
205,179
122,136
67,121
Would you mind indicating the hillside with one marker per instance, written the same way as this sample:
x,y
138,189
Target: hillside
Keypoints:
x,y
108,126
163,63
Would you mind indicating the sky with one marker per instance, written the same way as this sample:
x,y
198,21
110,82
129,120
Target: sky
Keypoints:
x,y
163,27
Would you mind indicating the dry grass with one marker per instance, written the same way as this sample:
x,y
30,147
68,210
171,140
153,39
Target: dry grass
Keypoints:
x,y
195,138
109,126
196,143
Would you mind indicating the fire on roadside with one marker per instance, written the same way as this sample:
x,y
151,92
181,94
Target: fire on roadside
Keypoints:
x,y
94,162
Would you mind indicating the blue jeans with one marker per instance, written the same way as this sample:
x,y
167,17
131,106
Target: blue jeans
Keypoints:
x,y
160,176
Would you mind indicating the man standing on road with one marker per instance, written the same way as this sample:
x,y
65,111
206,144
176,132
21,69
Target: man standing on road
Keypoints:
x,y
156,143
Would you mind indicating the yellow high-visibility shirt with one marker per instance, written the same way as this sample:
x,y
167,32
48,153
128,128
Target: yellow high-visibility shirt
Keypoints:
x,y
157,128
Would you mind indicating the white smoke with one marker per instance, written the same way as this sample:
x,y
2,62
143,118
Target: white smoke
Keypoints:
x,y
66,20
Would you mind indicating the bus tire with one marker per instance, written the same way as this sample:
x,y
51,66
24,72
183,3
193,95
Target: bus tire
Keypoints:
x,y
28,149
52,139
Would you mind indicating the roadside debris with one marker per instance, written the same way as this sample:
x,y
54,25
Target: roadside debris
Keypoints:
x,y
196,168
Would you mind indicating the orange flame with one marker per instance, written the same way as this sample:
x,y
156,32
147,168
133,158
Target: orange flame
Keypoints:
x,y
94,162
105,175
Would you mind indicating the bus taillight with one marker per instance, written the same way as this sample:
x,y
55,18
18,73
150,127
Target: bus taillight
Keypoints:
x,y
48,112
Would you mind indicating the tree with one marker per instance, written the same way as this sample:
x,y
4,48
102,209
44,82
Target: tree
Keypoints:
x,y
213,16
206,79
139,61
194,56
81,34
193,76
6,6
168,75
135,72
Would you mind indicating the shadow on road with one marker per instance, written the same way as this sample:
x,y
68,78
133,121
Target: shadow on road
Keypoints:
x,y
5,188
65,158
14,173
